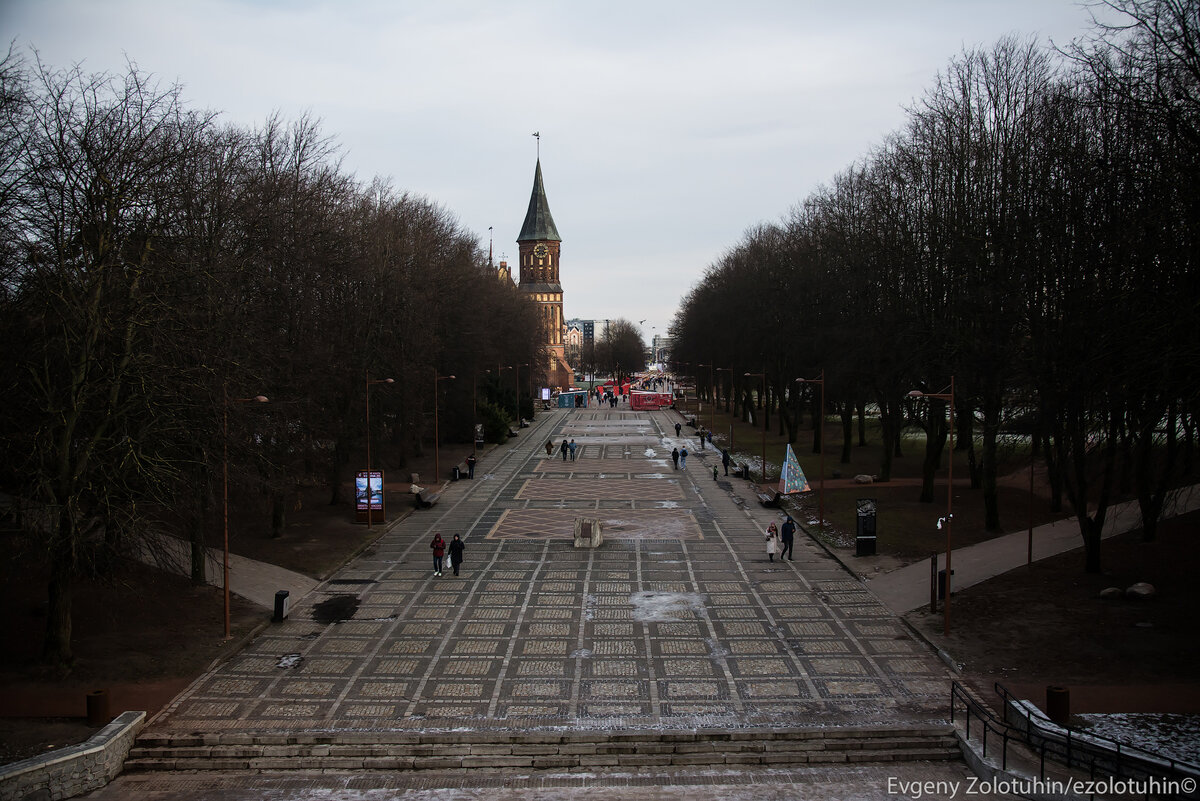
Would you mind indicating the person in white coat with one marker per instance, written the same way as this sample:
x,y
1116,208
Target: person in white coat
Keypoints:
x,y
772,542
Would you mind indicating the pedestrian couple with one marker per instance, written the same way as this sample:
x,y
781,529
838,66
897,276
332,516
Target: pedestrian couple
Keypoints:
x,y
567,447
439,548
781,542
679,457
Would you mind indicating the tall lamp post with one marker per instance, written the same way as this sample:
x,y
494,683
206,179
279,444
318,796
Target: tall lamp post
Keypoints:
x,y
821,435
763,399
367,394
437,465
949,518
226,400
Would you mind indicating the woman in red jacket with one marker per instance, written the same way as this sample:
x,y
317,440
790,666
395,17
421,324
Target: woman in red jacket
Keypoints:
x,y
439,550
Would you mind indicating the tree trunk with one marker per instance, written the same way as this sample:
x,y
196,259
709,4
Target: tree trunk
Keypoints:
x,y
847,412
56,647
991,433
862,424
935,444
278,515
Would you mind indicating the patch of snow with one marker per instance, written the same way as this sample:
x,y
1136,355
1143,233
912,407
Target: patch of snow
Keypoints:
x,y
288,661
666,607
1171,735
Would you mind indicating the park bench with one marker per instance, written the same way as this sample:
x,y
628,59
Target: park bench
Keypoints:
x,y
426,498
768,498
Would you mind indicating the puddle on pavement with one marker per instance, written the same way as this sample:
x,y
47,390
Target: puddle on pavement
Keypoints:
x,y
335,609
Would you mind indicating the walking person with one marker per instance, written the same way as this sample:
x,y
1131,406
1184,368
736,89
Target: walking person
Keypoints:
x,y
772,542
683,457
678,428
675,457
709,434
549,447
571,448
725,459
439,550
787,536
471,460
456,553
563,448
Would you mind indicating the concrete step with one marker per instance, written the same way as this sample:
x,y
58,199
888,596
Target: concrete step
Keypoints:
x,y
537,750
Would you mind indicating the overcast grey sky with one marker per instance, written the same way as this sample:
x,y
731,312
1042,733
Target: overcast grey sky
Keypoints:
x,y
668,128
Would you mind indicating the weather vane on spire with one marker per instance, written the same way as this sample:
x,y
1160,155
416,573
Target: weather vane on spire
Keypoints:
x,y
538,136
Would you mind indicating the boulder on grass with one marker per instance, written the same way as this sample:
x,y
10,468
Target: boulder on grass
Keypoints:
x,y
1112,593
863,479
1140,590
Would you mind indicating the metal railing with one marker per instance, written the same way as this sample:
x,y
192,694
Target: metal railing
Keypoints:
x,y
989,723
1098,755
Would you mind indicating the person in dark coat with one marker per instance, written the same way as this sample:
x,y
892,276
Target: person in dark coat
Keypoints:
x,y
675,457
563,448
678,427
471,467
456,553
725,459
787,535
439,550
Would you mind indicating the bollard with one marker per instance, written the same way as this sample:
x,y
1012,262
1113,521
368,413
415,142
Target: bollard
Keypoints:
x,y
1058,704
97,708
281,606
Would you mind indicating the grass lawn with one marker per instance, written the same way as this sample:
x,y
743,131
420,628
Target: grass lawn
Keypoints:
x,y
906,528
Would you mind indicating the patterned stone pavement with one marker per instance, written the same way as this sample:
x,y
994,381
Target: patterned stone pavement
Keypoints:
x,y
678,620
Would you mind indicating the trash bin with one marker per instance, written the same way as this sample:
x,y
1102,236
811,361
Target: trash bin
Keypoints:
x,y
281,606
864,545
454,473
1058,704
98,713
942,584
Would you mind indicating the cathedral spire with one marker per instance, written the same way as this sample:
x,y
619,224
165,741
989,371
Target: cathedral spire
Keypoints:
x,y
539,225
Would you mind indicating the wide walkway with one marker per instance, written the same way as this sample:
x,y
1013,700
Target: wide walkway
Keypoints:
x,y
678,620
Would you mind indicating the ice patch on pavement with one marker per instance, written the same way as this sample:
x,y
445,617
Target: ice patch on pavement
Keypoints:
x,y
666,607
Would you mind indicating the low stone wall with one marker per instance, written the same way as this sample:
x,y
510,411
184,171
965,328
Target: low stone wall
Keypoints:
x,y
77,769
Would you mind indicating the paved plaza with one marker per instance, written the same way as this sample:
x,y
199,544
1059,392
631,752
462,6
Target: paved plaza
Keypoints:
x,y
677,621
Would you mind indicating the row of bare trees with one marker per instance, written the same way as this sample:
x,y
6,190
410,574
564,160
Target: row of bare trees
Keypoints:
x,y
158,265
1032,231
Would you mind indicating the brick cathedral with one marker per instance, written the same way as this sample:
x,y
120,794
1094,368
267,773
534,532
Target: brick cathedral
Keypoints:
x,y
540,246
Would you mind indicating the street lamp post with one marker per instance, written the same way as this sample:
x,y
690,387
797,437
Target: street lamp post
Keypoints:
x,y
821,435
367,394
225,482
437,465
949,518
763,400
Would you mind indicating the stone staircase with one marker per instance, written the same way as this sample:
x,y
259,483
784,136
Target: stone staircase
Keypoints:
x,y
538,750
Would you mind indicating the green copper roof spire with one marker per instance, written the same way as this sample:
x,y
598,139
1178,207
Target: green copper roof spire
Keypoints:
x,y
538,222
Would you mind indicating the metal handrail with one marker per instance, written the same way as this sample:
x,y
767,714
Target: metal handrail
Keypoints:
x,y
990,722
1096,753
